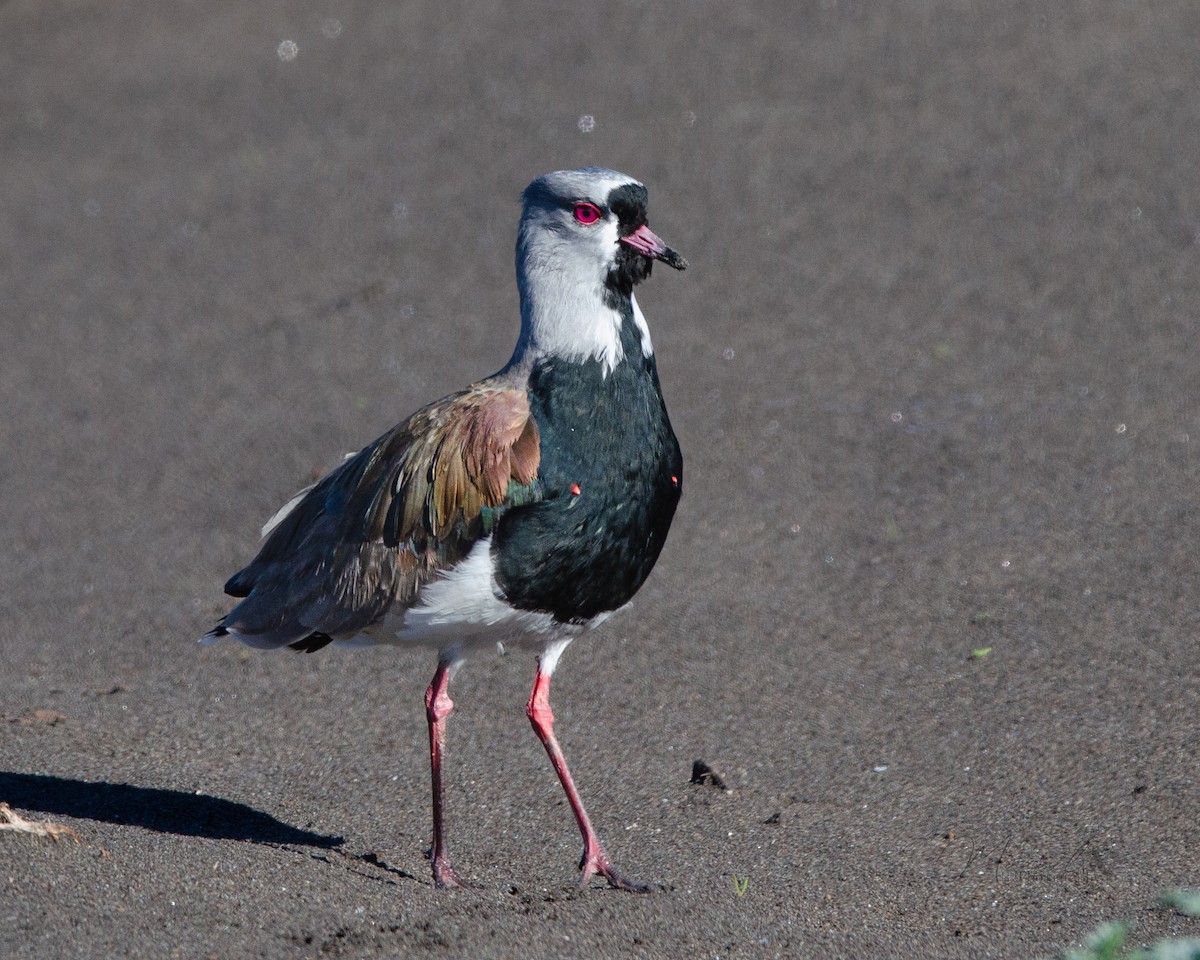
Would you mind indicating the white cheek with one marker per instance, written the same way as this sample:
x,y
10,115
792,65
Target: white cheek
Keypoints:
x,y
609,237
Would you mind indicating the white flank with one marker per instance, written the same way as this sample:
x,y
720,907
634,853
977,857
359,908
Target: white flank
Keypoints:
x,y
466,593
465,608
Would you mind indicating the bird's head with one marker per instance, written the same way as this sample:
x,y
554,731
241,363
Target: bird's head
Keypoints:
x,y
582,245
592,220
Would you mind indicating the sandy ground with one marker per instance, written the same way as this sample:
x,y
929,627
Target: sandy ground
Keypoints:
x,y
934,372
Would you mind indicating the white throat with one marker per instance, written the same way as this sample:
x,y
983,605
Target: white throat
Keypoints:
x,y
579,328
571,320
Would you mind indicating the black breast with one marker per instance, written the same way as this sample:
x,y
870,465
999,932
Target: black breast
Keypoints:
x,y
611,475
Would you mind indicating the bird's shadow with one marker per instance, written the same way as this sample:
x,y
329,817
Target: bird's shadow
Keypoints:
x,y
166,811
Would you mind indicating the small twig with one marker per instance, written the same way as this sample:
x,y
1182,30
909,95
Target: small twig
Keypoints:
x,y
11,820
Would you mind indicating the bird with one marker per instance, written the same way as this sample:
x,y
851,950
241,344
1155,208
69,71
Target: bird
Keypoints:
x,y
521,511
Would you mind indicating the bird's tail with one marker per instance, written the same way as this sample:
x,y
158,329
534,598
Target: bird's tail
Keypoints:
x,y
216,633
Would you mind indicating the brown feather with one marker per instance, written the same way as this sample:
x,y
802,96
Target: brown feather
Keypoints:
x,y
400,511
526,453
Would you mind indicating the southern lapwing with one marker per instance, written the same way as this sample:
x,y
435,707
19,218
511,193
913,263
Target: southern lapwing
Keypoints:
x,y
521,511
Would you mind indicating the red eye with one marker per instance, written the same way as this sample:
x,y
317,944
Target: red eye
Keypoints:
x,y
587,213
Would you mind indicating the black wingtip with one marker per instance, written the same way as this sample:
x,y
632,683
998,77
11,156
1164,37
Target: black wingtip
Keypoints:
x,y
312,643
238,585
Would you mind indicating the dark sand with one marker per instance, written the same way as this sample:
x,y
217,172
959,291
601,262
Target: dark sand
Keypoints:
x,y
934,368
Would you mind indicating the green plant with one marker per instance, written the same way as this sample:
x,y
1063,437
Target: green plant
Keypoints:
x,y
1182,900
1107,941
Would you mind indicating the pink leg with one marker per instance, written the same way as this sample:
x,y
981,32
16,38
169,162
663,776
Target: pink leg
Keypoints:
x,y
438,706
595,858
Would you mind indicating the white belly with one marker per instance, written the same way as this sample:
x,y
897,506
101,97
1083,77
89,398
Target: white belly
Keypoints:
x,y
464,610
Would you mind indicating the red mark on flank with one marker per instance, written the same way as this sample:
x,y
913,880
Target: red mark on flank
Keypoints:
x,y
674,480
575,491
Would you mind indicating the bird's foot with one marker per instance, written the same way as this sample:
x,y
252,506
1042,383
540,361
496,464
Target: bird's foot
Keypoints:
x,y
596,861
444,875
